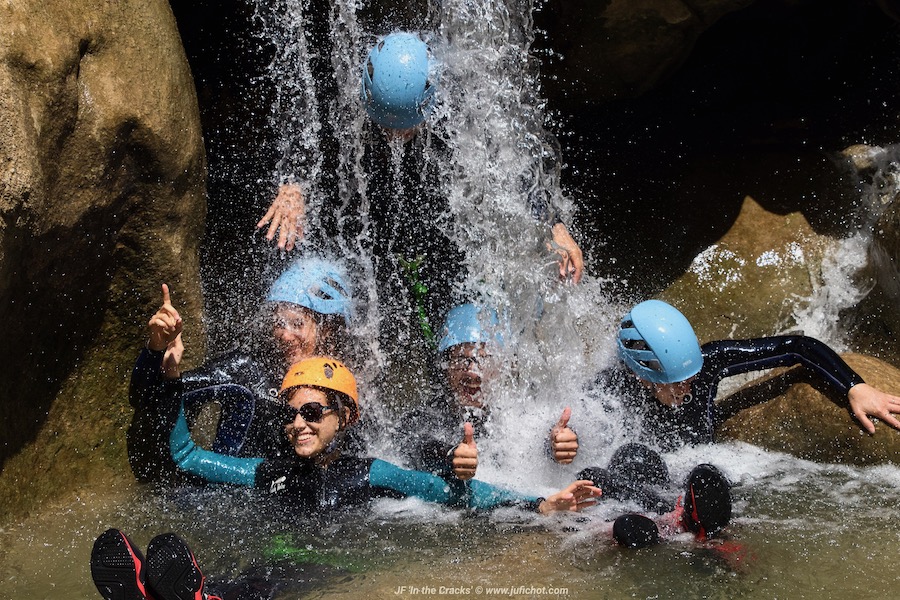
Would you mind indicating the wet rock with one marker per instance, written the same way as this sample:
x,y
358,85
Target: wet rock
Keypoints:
x,y
748,283
876,321
102,198
788,412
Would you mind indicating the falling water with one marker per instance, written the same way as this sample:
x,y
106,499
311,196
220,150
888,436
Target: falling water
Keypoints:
x,y
499,163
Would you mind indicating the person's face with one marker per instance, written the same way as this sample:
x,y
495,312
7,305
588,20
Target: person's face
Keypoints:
x,y
469,367
672,395
295,331
310,439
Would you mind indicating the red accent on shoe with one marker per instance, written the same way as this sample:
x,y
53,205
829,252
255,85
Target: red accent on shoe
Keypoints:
x,y
139,566
198,595
701,535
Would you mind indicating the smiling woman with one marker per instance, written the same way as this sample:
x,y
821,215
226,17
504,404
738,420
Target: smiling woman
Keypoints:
x,y
321,401
309,306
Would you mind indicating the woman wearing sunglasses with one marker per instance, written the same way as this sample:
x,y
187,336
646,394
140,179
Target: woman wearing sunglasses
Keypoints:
x,y
320,404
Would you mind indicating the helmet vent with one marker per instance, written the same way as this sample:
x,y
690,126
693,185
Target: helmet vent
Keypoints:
x,y
652,364
635,344
337,286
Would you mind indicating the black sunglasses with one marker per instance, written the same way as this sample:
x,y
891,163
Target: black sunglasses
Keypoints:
x,y
311,412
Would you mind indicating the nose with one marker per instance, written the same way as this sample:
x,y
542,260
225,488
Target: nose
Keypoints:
x,y
299,423
284,331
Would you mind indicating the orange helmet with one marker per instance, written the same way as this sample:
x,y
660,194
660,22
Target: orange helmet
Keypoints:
x,y
324,372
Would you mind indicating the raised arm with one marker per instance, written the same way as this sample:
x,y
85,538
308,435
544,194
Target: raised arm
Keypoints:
x,y
732,357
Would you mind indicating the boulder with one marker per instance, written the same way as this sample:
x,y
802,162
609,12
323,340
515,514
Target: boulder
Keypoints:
x,y
748,283
876,321
787,411
102,198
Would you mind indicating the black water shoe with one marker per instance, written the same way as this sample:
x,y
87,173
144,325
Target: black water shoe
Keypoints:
x,y
118,567
707,501
172,570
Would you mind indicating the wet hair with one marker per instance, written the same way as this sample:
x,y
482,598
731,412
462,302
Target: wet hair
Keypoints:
x,y
342,401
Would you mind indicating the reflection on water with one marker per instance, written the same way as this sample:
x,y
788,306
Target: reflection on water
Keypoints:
x,y
801,530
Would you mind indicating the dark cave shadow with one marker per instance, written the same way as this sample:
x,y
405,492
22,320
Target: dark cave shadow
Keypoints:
x,y
765,120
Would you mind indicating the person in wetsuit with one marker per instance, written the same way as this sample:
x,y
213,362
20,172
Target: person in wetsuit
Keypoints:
x,y
439,436
306,312
670,383
402,211
319,403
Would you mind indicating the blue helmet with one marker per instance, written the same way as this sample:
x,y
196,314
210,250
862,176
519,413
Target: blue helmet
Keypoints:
x,y
314,284
396,88
658,343
468,323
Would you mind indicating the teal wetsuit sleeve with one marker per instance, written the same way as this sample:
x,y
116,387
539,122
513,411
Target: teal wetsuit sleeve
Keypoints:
x,y
211,466
431,488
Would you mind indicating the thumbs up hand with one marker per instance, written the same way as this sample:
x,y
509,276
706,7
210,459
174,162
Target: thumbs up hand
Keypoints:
x,y
563,441
465,456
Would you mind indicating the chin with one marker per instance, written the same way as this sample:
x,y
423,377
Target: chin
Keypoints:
x,y
307,452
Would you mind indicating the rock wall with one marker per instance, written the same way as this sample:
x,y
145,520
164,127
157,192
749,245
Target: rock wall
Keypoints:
x,y
102,198
605,50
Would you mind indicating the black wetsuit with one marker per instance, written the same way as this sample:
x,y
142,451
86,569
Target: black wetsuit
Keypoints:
x,y
400,213
243,387
695,421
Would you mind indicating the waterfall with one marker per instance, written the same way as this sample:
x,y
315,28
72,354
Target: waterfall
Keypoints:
x,y
496,166
853,266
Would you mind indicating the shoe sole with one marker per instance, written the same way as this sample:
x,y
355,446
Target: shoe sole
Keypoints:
x,y
117,567
172,570
708,501
635,531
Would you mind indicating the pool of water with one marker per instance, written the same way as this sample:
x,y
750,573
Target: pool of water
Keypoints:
x,y
802,530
